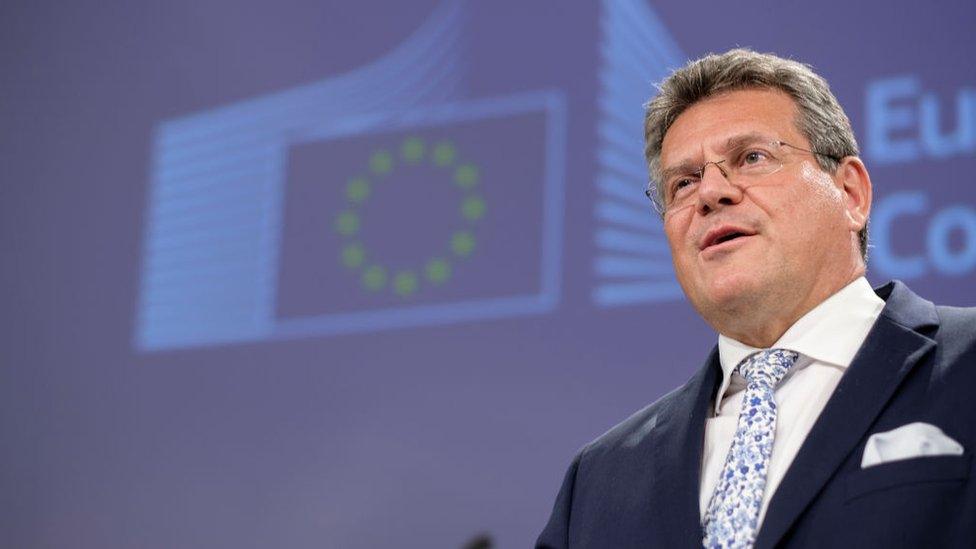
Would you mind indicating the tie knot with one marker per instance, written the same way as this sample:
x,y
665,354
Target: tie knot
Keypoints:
x,y
767,367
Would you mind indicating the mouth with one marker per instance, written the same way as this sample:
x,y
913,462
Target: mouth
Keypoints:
x,y
723,234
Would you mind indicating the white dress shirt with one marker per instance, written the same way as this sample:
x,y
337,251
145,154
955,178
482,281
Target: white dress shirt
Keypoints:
x,y
827,338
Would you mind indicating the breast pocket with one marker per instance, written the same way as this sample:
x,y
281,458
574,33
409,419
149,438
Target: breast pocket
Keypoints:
x,y
932,470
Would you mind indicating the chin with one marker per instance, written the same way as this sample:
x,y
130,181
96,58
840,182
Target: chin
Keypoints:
x,y
727,290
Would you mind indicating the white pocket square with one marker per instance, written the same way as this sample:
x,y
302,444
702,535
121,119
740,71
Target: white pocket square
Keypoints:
x,y
908,441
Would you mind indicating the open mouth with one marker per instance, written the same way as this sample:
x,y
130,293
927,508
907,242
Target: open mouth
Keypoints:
x,y
726,238
723,235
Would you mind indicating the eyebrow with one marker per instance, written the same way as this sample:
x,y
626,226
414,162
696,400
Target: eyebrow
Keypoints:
x,y
733,143
740,141
684,168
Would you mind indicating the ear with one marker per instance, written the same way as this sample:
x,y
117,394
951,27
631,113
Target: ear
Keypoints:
x,y
855,183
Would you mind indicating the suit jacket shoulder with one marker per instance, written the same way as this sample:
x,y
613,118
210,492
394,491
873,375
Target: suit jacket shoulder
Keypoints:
x,y
637,484
629,432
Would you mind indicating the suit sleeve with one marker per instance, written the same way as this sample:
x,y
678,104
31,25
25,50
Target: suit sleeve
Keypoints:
x,y
556,533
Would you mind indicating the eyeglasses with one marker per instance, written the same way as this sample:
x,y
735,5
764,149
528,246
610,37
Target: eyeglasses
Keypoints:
x,y
746,163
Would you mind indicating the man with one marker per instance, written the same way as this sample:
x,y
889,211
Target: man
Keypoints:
x,y
828,415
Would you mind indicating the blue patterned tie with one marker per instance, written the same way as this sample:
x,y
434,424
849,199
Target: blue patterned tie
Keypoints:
x,y
733,512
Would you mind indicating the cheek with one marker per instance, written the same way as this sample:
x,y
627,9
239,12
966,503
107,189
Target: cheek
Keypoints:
x,y
676,231
812,216
810,203
823,192
682,253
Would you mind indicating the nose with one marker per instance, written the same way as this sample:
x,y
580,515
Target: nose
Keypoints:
x,y
715,190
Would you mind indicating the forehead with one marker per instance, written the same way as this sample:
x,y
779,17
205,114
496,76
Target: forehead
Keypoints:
x,y
708,124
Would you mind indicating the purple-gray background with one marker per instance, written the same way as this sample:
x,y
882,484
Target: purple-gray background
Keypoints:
x,y
410,436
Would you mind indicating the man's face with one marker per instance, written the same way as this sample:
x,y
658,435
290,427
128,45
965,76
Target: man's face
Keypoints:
x,y
796,236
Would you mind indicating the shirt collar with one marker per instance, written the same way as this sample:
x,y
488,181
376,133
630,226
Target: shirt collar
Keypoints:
x,y
832,332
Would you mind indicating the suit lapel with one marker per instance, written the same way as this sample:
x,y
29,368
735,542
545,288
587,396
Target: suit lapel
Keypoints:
x,y
891,350
677,442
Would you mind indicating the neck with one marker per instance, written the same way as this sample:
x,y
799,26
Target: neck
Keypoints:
x,y
761,321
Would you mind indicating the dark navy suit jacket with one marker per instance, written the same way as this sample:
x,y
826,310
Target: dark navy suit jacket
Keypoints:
x,y
637,485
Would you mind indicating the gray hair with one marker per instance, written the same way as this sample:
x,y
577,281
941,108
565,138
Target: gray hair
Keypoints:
x,y
820,117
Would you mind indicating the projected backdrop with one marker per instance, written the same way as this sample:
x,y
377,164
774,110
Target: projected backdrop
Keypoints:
x,y
323,274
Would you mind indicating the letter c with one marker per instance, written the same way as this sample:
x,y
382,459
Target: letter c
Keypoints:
x,y
884,258
937,240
